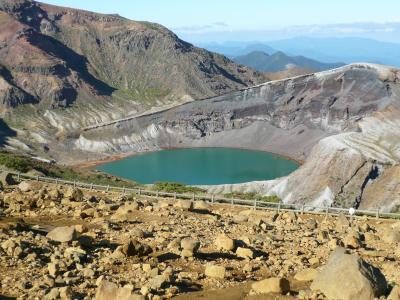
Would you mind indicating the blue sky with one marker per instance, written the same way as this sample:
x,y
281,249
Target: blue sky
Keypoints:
x,y
200,18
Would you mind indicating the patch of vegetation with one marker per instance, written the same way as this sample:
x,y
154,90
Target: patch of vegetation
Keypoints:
x,y
25,164
14,162
179,188
148,95
253,196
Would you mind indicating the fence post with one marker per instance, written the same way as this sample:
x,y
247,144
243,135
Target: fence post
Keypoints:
x,y
255,204
157,194
91,186
193,197
279,207
74,183
123,191
231,201
174,195
326,211
377,213
108,188
212,198
37,177
302,209
140,192
19,176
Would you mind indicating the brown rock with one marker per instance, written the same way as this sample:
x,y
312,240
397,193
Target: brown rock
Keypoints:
x,y
271,286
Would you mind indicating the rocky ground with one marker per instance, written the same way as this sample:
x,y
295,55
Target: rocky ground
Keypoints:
x,y
62,243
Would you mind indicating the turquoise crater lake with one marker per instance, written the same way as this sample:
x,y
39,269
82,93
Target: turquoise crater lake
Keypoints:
x,y
197,166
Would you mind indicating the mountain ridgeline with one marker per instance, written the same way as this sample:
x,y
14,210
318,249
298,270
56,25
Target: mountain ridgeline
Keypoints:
x,y
53,57
279,61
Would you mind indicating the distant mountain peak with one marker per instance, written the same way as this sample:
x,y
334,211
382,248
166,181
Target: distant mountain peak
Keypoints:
x,y
280,61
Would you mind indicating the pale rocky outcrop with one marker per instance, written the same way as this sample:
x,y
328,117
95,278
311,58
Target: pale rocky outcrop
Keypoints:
x,y
348,277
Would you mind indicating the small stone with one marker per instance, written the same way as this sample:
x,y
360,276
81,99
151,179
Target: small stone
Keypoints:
x,y
272,286
88,273
75,194
53,294
201,205
225,243
190,244
146,268
245,253
185,205
137,233
53,269
342,223
158,282
314,262
80,228
110,291
311,224
240,218
135,248
63,234
352,241
66,293
25,186
215,271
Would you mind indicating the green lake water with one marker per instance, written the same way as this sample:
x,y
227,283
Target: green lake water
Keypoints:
x,y
201,166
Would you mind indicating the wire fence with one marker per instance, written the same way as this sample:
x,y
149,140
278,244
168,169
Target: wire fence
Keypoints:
x,y
210,198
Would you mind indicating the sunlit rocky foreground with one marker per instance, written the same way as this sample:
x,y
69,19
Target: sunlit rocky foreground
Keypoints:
x,y
64,243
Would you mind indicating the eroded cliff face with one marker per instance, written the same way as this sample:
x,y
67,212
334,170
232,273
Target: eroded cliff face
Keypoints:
x,y
342,123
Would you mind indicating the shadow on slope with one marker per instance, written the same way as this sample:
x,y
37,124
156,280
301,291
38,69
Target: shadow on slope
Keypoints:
x,y
5,132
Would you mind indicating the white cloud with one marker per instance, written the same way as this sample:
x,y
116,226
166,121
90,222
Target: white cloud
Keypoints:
x,y
202,28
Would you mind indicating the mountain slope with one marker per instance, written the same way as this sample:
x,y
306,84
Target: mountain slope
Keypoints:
x,y
56,56
279,61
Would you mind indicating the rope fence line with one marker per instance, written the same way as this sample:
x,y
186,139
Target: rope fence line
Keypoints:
x,y
212,199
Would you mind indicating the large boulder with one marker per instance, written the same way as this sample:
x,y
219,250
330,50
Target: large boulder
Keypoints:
x,y
348,277
63,234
